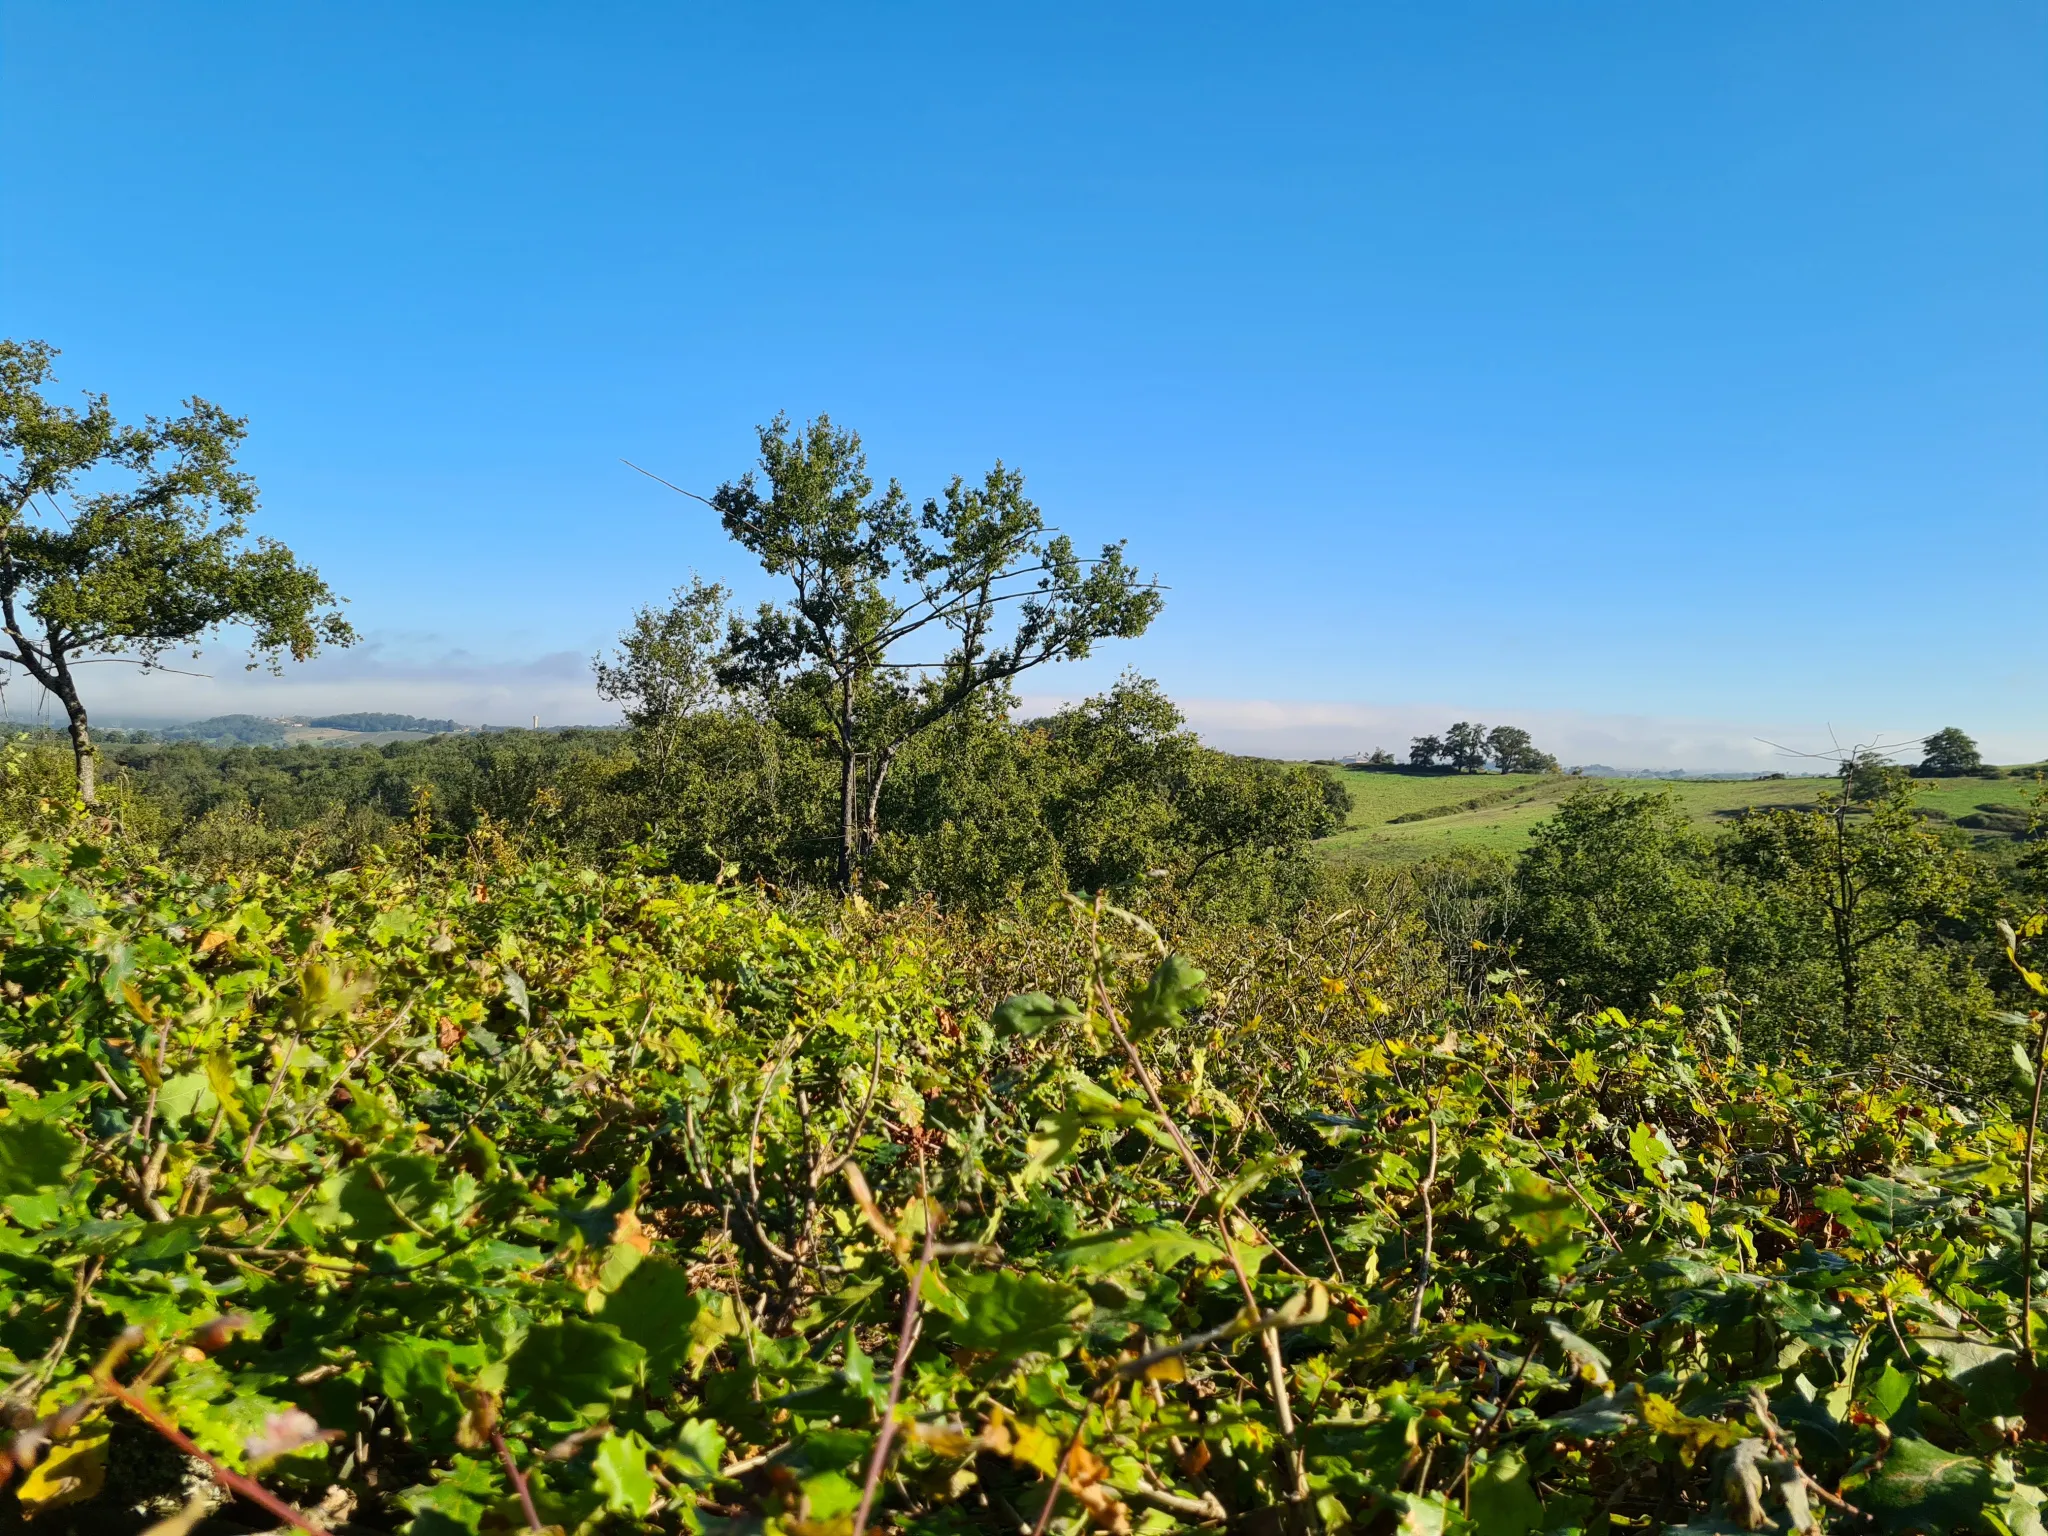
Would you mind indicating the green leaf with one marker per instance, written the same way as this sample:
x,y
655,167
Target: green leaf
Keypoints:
x,y
620,1470
454,1502
1653,1153
1162,1246
1987,1375
1252,1177
574,1369
1175,986
515,993
1031,1013
828,1495
698,1452
186,1099
1088,1107
1921,1487
1586,1357
1548,1216
417,1375
1419,1515
657,1309
34,1155
2019,1506
379,1195
1015,1315
1885,1393
1503,1502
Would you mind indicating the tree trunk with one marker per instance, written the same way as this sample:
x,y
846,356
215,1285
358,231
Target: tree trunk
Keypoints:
x,y
81,735
849,789
871,809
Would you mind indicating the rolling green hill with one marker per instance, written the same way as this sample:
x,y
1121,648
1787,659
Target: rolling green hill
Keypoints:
x,y
1396,817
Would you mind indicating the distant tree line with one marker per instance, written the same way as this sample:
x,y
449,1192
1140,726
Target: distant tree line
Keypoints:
x,y
370,723
1471,748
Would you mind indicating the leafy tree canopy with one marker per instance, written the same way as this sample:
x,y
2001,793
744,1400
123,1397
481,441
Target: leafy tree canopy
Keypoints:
x,y
124,542
1950,754
900,618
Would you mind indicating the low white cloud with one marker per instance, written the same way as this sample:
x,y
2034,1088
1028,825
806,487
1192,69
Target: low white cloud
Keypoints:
x,y
424,674
407,675
1332,728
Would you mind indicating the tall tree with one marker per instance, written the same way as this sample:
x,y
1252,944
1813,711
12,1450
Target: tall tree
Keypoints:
x,y
1619,896
900,618
1424,751
1465,746
665,670
120,543
1514,751
1858,873
1950,754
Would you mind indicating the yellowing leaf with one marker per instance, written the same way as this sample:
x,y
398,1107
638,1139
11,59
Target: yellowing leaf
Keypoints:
x,y
220,1077
1694,1435
1033,1447
70,1473
1372,1059
945,1437
1172,1368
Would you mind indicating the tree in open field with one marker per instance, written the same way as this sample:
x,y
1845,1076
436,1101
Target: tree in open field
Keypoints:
x,y
1850,899
1465,747
123,542
1513,751
1950,754
899,618
1425,751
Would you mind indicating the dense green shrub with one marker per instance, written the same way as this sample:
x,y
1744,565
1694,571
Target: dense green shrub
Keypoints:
x,y
1854,930
1620,894
466,1193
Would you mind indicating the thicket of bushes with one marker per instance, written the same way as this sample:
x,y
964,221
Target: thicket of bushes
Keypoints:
x,y
462,1191
1112,793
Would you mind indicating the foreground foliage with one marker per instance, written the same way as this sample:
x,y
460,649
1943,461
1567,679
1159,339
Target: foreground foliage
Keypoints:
x,y
478,1195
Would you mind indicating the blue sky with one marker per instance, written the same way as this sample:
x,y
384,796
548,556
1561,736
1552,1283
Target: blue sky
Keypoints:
x,y
1677,365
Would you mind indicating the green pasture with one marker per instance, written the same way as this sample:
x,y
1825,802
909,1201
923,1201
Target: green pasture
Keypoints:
x,y
1511,805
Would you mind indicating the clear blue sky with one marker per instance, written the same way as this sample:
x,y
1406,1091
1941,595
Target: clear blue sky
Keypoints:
x,y
1645,360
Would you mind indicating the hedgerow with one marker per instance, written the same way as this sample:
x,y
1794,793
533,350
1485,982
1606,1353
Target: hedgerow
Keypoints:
x,y
487,1196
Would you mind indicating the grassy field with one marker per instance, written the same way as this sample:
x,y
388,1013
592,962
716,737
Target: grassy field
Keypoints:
x,y
329,736
1396,817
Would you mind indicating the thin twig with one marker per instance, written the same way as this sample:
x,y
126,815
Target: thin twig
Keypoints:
x,y
2027,1204
234,1482
31,1385
348,1067
906,1341
1423,1271
1276,1368
1558,1169
518,1479
276,1080
860,1121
